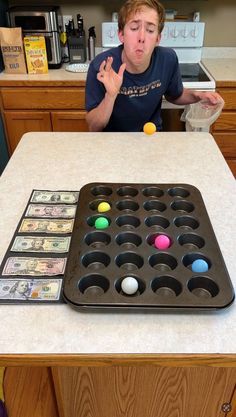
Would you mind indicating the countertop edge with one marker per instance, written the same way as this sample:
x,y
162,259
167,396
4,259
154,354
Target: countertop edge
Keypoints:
x,y
133,359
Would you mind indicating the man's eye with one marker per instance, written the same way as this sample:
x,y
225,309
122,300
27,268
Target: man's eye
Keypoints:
x,y
134,28
150,30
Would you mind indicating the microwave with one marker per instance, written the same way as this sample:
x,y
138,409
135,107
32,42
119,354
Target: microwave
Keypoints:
x,y
40,21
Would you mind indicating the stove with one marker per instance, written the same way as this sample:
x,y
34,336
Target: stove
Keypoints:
x,y
186,38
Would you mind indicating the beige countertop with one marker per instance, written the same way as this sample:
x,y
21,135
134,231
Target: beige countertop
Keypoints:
x,y
221,69
67,161
59,76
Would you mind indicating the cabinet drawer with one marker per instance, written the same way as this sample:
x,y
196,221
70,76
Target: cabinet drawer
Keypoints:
x,y
226,121
229,96
69,121
36,98
226,143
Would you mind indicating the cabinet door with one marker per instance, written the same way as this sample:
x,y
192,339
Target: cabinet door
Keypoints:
x,y
18,123
29,392
143,391
231,406
69,121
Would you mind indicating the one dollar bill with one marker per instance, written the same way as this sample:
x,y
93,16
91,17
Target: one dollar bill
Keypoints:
x,y
69,197
30,289
46,226
34,266
41,244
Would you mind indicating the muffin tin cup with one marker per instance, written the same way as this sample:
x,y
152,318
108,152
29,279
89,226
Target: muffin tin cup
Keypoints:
x,y
100,259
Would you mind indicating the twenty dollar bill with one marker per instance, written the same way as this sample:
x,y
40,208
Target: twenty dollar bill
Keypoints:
x,y
41,244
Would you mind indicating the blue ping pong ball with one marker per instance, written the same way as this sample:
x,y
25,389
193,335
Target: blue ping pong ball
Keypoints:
x,y
129,285
199,265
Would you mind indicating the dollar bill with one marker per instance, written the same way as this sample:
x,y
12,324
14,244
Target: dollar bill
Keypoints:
x,y
41,244
34,266
46,226
69,197
48,210
30,289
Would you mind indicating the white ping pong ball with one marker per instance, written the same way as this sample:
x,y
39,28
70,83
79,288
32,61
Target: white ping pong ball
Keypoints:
x,y
129,285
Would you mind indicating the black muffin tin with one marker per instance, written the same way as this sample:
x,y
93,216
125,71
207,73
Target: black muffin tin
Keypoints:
x,y
100,259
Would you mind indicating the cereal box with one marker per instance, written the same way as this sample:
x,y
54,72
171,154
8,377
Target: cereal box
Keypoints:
x,y
36,54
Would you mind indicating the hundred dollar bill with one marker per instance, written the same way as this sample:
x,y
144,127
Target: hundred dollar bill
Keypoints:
x,y
69,197
34,266
48,210
40,244
46,226
30,289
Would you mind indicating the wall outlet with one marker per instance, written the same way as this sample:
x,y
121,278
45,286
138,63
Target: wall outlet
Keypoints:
x,y
65,20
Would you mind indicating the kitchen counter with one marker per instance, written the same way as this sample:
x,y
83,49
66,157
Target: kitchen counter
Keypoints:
x,y
56,76
70,160
223,70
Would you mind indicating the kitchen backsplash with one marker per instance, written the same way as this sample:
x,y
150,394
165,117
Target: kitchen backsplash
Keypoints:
x,y
216,14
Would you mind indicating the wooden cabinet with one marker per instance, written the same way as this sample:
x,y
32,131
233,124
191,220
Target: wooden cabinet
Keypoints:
x,y
29,392
144,391
29,109
18,123
224,129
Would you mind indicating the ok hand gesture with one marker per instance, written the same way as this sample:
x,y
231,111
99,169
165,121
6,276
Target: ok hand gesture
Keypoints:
x,y
112,80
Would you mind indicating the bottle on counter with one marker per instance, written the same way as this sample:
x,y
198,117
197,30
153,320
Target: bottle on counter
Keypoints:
x,y
91,43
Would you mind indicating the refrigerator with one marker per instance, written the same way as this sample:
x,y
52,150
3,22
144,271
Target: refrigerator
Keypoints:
x,y
4,157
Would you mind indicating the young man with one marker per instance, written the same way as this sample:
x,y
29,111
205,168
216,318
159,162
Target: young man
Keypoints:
x,y
125,85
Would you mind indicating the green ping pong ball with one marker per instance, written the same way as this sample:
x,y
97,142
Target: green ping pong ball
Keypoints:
x,y
103,207
101,223
129,285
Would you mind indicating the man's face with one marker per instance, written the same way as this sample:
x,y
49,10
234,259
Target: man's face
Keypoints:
x,y
32,265
22,287
140,36
43,225
38,243
48,210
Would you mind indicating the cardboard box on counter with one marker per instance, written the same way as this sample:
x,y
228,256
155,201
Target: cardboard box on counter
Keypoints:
x,y
36,54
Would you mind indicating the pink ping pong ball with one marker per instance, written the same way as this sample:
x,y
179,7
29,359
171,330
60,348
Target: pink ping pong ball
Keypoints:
x,y
162,242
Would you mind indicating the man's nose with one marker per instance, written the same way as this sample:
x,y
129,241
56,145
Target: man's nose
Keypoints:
x,y
141,34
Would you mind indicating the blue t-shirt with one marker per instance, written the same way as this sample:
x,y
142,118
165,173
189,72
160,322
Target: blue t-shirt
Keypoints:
x,y
140,96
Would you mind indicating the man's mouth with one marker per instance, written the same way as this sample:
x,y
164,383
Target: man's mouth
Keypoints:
x,y
139,51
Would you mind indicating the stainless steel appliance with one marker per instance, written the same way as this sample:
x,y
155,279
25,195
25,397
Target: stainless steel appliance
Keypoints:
x,y
40,21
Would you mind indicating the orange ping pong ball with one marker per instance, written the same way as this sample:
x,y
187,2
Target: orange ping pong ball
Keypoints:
x,y
149,128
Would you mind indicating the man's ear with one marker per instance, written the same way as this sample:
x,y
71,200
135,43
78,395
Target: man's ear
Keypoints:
x,y
158,39
121,36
